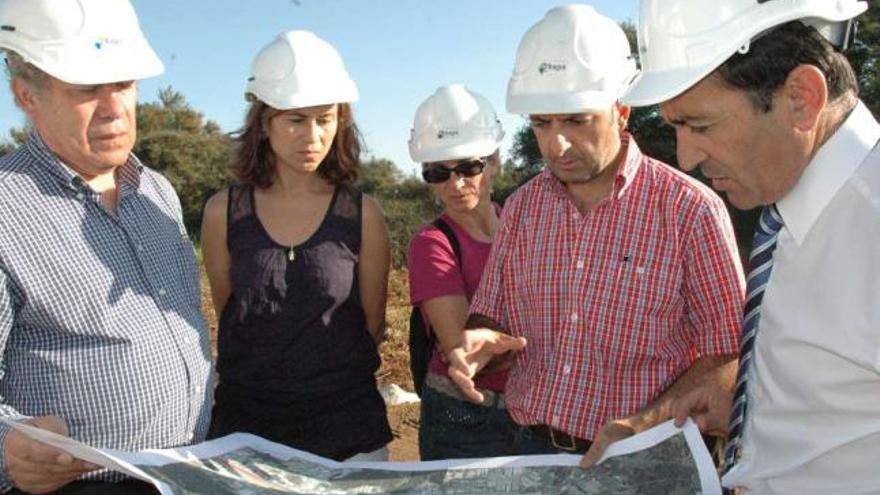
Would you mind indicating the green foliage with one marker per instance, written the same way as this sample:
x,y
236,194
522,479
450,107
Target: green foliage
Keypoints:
x,y
6,147
407,202
630,30
654,136
17,137
865,58
524,163
507,181
378,177
404,217
525,153
194,155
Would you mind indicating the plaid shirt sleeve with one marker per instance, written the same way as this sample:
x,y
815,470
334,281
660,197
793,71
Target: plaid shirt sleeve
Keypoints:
x,y
489,298
713,285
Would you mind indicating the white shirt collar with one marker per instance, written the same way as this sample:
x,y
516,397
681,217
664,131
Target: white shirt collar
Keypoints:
x,y
830,168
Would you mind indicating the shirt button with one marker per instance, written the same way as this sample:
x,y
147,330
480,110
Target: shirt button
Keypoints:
x,y
580,265
555,420
162,292
80,196
566,369
574,317
140,247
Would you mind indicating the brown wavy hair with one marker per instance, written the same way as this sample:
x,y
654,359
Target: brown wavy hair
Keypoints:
x,y
255,162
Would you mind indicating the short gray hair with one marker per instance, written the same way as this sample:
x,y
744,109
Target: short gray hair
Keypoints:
x,y
17,68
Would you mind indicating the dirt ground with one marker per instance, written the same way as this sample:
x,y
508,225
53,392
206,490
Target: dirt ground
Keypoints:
x,y
404,419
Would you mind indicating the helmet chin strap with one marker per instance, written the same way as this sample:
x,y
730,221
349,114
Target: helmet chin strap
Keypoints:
x,y
840,34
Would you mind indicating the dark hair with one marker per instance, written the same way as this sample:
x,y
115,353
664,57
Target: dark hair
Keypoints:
x,y
771,58
256,160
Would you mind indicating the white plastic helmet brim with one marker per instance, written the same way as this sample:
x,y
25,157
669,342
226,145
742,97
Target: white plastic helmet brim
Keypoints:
x,y
288,100
583,102
481,147
87,63
651,88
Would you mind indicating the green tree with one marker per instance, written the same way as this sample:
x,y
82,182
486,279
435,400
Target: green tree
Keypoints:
x,y
527,159
865,58
406,201
17,137
193,154
507,181
379,177
404,217
524,163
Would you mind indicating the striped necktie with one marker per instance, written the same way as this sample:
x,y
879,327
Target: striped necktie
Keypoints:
x,y
760,266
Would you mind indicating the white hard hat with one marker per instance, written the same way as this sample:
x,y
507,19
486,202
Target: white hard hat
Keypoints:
x,y
683,41
452,124
79,41
297,70
573,60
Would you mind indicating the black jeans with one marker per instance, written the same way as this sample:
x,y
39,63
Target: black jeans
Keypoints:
x,y
127,487
455,429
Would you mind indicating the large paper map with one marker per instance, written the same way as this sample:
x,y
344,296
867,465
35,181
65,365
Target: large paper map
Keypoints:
x,y
664,460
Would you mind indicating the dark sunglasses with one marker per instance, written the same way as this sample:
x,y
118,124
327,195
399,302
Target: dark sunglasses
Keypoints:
x,y
437,174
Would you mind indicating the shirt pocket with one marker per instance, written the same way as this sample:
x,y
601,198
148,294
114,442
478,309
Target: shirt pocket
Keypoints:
x,y
642,309
650,287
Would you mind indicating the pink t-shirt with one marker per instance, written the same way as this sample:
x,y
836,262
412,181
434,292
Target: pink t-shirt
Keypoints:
x,y
434,272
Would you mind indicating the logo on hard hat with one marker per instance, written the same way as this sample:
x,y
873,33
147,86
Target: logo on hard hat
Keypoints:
x,y
445,133
551,67
105,41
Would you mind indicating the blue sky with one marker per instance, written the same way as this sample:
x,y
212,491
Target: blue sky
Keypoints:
x,y
398,53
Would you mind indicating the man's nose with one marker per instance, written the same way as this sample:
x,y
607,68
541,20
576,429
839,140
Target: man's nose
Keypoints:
x,y
559,144
111,102
690,156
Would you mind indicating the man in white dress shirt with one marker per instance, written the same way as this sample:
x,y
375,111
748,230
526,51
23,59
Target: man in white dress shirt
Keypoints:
x,y
765,104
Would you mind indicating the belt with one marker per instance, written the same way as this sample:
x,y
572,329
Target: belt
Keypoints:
x,y
560,439
445,386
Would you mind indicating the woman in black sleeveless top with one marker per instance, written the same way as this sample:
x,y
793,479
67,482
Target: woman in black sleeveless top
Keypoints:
x,y
298,264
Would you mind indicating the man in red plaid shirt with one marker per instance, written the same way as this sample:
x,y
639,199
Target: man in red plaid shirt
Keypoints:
x,y
615,277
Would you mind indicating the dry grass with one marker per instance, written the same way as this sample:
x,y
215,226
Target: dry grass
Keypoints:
x,y
395,350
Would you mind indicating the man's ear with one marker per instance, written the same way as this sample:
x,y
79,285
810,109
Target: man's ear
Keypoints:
x,y
623,113
25,96
805,94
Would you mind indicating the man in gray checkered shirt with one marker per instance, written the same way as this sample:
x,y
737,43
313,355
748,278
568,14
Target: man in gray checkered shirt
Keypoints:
x,y
101,334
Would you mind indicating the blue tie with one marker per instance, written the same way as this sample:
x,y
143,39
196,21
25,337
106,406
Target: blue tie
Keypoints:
x,y
760,265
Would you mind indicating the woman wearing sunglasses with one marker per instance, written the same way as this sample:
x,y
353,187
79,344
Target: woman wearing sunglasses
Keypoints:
x,y
455,137
300,315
